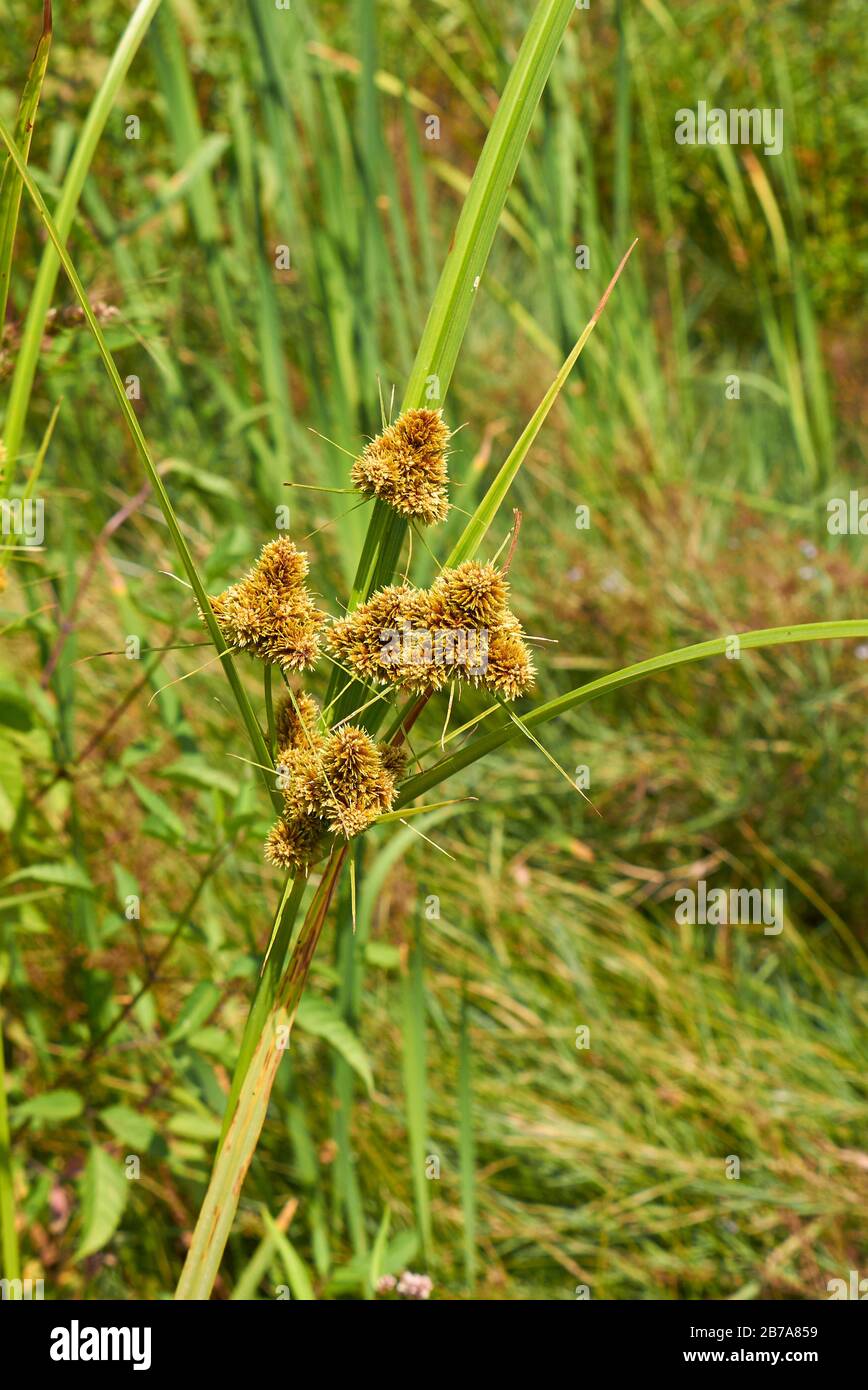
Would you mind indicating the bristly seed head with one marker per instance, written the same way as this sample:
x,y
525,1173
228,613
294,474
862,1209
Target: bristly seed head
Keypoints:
x,y
296,723
360,640
292,843
421,639
339,786
472,595
405,466
270,612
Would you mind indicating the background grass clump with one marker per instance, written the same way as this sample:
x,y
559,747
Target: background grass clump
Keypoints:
x,y
265,249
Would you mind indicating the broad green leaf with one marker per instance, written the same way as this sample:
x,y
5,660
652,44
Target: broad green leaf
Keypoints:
x,y
104,1190
198,1007
204,1128
196,772
160,810
129,1126
16,710
383,955
51,1107
321,1018
11,783
62,875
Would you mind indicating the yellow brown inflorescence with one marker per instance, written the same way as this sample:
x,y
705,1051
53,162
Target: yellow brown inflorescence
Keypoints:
x,y
420,639
405,466
336,784
270,612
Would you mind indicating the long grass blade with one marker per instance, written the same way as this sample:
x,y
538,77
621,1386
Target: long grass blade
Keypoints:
x,y
474,532
10,185
251,724
717,646
40,300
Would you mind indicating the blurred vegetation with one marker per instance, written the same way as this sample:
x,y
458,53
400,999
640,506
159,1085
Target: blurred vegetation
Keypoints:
x,y
135,905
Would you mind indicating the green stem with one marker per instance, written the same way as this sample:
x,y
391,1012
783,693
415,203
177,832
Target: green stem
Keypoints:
x,y
238,1145
459,281
254,733
764,637
11,1262
40,299
266,987
269,710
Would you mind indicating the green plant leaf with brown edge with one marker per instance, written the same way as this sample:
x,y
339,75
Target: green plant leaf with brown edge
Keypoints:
x,y
10,183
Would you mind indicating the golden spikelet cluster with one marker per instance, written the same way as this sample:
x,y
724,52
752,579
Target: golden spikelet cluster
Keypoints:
x,y
420,639
405,466
336,783
364,639
296,723
270,611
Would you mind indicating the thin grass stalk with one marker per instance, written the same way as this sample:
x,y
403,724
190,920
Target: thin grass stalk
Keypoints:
x,y
466,1146
260,750
416,1087
10,183
43,290
8,1231
245,1126
460,278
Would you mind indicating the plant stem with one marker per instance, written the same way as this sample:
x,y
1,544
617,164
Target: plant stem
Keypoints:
x,y
11,1263
254,732
242,1133
269,710
40,299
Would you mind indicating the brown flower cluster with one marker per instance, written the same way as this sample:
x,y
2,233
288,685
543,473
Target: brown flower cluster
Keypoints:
x,y
419,639
405,466
270,611
336,783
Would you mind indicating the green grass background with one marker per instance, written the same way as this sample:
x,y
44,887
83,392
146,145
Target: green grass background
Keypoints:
x,y
442,1036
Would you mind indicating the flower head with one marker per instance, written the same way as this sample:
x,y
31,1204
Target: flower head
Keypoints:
x,y
509,670
472,595
292,843
405,466
421,639
337,784
417,1286
296,723
270,612
359,787
372,639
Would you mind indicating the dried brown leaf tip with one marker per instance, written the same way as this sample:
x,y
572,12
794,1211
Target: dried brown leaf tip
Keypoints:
x,y
405,466
339,785
420,639
270,611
